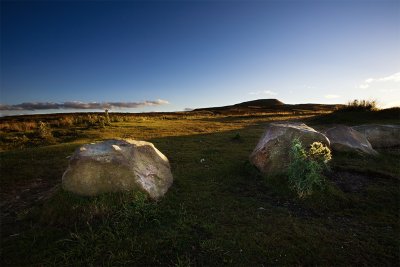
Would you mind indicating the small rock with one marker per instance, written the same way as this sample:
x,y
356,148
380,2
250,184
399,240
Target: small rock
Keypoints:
x,y
117,148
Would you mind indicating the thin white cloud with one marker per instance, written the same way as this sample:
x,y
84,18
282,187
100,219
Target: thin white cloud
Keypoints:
x,y
391,78
265,92
363,86
395,77
332,96
81,105
391,90
370,80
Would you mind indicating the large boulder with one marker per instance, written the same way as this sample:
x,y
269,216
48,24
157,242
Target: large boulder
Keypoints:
x,y
271,155
345,139
381,136
118,165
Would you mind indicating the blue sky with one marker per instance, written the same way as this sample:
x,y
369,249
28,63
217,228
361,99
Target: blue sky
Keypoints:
x,y
199,54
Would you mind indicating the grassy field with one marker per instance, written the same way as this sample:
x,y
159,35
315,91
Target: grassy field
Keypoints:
x,y
219,211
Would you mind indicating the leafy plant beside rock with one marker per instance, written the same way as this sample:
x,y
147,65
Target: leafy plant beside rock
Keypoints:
x,y
306,167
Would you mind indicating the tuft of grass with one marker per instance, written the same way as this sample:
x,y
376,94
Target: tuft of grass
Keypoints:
x,y
65,209
237,138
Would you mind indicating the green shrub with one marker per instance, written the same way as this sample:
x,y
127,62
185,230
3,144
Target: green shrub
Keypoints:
x,y
90,120
237,138
306,167
102,122
66,121
15,126
107,120
360,105
44,131
116,118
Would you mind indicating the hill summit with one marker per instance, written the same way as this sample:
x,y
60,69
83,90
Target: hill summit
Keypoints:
x,y
260,103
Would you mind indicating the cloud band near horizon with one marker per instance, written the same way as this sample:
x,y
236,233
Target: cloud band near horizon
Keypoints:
x,y
81,105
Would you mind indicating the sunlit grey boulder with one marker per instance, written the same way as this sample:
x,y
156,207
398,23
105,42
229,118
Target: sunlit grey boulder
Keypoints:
x,y
118,165
381,136
345,139
271,155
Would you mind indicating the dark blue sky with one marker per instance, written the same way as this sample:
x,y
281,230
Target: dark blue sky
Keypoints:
x,y
197,54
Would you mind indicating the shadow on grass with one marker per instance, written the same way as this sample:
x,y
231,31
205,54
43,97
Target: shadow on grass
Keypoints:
x,y
356,117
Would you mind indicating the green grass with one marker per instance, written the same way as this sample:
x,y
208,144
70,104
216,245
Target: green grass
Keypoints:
x,y
356,117
218,212
386,163
28,164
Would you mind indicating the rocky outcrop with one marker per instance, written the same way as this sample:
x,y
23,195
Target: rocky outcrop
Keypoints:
x,y
380,136
345,139
271,154
118,165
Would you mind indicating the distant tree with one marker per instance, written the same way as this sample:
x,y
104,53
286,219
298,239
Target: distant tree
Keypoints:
x,y
107,120
44,131
360,105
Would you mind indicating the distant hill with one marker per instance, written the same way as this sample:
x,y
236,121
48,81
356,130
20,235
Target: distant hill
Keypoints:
x,y
267,105
259,103
248,107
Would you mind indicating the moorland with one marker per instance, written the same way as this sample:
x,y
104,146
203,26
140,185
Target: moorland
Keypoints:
x,y
220,209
